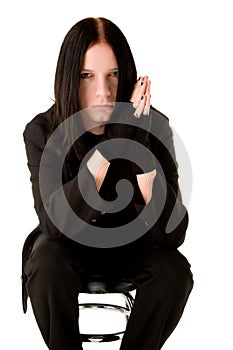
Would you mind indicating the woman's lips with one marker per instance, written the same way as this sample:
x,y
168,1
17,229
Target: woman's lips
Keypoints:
x,y
104,105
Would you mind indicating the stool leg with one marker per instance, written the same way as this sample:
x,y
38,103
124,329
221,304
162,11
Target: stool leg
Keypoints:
x,y
129,300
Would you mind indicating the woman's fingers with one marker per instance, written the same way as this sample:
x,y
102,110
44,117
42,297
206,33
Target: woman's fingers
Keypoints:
x,y
141,97
139,88
140,107
139,91
146,110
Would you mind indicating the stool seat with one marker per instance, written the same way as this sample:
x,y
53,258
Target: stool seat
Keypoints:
x,y
100,284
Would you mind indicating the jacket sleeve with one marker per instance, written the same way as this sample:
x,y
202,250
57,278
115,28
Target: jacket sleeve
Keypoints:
x,y
57,217
165,214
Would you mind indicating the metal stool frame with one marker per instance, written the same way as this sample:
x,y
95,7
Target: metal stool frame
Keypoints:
x,y
108,337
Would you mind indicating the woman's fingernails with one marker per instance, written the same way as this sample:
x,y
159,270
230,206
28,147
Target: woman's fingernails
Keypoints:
x,y
142,97
142,83
146,111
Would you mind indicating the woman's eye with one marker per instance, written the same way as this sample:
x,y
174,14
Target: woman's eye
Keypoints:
x,y
85,75
115,74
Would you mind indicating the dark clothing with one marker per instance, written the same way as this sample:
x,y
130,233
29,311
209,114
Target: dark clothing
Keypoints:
x,y
55,271
166,181
54,265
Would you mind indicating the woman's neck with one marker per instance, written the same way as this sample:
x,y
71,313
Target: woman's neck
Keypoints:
x,y
99,130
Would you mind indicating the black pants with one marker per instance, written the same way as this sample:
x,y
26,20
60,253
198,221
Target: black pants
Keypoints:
x,y
55,270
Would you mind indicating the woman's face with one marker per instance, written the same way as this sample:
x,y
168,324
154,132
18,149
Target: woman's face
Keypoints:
x,y
98,84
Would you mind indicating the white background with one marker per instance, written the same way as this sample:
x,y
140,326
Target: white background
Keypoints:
x,y
186,49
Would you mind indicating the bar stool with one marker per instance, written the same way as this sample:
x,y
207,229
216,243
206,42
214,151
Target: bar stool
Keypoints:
x,y
98,284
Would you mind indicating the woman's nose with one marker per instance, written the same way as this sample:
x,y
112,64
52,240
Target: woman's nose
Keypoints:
x,y
103,87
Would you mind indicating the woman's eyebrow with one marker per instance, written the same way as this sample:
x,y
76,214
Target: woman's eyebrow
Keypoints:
x,y
92,70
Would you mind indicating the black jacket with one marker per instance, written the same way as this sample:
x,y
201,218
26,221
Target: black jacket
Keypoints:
x,y
166,181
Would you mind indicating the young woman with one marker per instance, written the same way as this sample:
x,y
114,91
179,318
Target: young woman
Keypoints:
x,y
96,80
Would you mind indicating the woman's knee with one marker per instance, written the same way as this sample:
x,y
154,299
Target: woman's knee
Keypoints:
x,y
177,272
48,257
172,272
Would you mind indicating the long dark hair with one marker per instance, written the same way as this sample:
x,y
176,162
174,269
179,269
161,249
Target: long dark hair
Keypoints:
x,y
70,62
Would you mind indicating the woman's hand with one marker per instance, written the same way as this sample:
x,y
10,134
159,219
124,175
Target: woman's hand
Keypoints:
x,y
141,97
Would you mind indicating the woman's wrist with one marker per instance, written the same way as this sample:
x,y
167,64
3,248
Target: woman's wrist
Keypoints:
x,y
145,183
96,162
